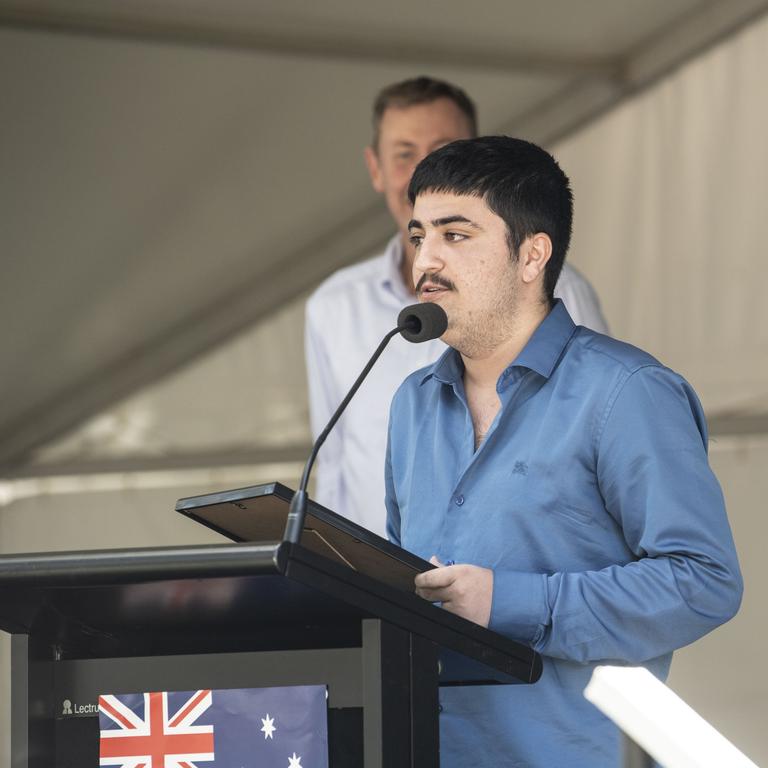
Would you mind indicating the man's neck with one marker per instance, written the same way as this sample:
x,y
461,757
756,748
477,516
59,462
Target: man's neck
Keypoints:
x,y
483,370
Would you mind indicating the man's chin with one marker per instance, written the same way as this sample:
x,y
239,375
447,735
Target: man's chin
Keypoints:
x,y
451,338
431,298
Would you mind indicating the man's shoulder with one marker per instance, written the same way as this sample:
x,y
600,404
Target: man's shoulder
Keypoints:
x,y
573,285
570,275
605,352
348,279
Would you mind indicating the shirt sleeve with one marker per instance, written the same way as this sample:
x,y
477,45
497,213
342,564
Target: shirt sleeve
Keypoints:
x,y
580,300
654,476
323,402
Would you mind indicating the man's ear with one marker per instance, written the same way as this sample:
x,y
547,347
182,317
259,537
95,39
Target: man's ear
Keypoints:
x,y
534,254
374,169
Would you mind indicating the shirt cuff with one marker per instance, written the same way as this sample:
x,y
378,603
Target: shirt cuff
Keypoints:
x,y
519,608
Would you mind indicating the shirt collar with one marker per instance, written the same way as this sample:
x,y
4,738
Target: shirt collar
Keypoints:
x,y
391,277
447,369
545,347
541,354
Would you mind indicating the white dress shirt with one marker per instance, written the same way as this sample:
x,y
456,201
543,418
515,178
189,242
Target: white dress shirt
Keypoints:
x,y
346,318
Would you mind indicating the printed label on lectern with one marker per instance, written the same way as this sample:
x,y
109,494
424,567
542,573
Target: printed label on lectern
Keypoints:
x,y
71,708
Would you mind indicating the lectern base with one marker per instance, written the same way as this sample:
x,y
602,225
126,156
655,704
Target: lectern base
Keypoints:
x,y
381,699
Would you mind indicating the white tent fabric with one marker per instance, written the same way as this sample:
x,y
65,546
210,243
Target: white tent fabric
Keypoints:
x,y
249,392
670,208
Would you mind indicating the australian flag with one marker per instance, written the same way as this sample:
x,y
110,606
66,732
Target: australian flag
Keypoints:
x,y
234,728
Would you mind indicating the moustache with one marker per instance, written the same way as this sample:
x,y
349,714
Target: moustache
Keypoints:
x,y
441,282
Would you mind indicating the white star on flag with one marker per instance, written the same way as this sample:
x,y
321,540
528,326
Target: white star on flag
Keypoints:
x,y
268,726
294,762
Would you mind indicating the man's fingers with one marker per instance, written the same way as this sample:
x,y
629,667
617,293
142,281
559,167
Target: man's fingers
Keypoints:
x,y
437,595
466,590
439,577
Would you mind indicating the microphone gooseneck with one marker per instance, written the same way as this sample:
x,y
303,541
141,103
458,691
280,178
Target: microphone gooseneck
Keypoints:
x,y
416,323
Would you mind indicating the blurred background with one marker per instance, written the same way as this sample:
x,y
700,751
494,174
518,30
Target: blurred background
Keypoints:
x,y
176,177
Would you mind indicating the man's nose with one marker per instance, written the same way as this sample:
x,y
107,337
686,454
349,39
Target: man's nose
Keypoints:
x,y
428,257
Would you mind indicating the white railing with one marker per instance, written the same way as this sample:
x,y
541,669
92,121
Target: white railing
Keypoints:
x,y
659,721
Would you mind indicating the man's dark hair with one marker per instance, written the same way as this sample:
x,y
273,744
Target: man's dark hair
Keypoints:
x,y
519,181
421,90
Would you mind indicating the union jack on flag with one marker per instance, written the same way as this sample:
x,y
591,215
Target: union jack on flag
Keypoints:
x,y
282,726
158,736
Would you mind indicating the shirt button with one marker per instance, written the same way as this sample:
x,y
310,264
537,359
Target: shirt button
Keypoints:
x,y
439,707
459,500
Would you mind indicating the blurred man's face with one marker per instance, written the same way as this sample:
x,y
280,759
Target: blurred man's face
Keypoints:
x,y
406,136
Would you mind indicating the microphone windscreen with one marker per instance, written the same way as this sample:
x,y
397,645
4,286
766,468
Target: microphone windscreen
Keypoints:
x,y
422,322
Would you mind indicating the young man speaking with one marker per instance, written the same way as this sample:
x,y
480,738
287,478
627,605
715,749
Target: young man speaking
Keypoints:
x,y
350,312
564,472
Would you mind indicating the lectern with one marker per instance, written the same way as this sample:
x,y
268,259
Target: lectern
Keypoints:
x,y
235,615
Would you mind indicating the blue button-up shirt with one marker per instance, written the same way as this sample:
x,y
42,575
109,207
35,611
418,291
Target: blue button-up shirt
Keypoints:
x,y
592,500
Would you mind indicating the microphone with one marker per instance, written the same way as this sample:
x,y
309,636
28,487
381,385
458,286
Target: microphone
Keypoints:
x,y
422,322
416,323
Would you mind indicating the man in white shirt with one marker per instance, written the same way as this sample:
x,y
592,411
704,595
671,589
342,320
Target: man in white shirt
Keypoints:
x,y
347,316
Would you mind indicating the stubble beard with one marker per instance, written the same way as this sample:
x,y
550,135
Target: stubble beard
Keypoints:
x,y
485,330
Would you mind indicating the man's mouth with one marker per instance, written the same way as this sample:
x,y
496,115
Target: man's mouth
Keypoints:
x,y
430,292
432,288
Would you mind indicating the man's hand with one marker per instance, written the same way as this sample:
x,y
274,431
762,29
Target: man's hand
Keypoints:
x,y
466,590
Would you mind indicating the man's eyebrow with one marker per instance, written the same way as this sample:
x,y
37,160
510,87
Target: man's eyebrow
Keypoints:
x,y
457,219
445,220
